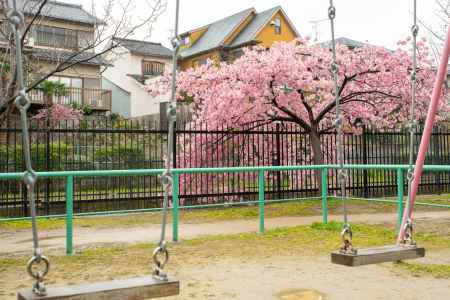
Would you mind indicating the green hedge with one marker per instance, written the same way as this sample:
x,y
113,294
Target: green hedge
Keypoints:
x,y
124,153
13,156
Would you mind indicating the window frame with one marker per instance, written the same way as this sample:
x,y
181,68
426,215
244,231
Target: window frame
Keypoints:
x,y
156,67
65,39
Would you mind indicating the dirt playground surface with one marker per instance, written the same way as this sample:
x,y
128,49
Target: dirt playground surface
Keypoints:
x,y
279,267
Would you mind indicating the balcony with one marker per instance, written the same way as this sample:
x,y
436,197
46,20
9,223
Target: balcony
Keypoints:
x,y
96,99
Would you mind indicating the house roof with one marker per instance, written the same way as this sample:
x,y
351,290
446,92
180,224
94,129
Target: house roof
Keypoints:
x,y
251,30
216,33
344,41
145,48
59,56
61,11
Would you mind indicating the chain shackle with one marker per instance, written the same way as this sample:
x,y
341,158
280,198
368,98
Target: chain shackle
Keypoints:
x,y
415,30
342,176
408,235
38,259
160,259
347,240
331,11
14,15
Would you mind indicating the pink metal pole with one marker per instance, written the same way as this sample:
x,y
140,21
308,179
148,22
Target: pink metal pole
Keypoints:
x,y
424,143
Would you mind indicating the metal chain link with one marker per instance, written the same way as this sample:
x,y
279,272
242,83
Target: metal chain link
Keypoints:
x,y
346,233
412,126
161,254
17,21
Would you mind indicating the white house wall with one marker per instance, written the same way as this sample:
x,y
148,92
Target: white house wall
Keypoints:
x,y
141,103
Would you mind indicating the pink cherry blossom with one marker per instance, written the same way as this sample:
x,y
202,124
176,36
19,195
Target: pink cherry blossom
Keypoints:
x,y
292,83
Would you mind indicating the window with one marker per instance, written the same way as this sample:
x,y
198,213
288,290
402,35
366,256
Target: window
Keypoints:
x,y
277,25
186,40
56,37
70,82
152,67
200,62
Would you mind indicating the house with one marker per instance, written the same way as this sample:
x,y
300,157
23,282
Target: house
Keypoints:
x,y
224,40
351,44
62,30
134,63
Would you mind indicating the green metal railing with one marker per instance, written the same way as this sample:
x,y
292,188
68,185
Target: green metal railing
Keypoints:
x,y
70,175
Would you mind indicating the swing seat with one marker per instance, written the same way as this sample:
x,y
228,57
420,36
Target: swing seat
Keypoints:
x,y
127,289
377,255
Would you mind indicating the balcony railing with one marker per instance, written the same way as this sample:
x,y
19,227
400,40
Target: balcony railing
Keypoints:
x,y
97,99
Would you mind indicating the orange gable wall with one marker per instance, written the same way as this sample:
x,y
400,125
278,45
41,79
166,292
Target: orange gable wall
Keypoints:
x,y
194,36
267,35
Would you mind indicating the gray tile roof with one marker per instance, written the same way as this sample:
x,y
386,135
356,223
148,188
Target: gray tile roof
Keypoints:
x,y
59,56
145,48
61,11
345,41
216,33
249,33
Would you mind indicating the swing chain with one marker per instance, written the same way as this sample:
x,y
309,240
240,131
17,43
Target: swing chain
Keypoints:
x,y
412,126
16,19
161,254
346,233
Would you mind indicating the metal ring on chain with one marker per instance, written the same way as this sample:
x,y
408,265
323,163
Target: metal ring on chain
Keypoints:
x,y
166,180
15,17
29,178
158,271
39,275
22,101
347,240
415,29
342,175
172,112
332,12
410,175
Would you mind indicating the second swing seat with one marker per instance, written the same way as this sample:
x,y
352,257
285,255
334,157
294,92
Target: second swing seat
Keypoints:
x,y
377,255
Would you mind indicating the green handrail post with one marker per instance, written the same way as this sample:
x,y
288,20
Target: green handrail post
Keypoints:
x,y
261,187
69,215
400,195
324,182
175,211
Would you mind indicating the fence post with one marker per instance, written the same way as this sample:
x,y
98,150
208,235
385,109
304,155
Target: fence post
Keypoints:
x,y
400,194
261,187
365,162
69,215
175,211
324,182
278,159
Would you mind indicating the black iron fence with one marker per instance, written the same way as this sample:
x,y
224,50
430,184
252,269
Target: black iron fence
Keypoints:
x,y
108,144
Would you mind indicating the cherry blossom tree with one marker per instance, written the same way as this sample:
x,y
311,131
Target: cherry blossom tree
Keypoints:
x,y
292,83
57,113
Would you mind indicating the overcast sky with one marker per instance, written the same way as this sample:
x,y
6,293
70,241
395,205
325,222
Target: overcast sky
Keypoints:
x,y
380,22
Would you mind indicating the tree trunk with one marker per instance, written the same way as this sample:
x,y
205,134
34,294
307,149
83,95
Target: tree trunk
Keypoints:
x,y
316,146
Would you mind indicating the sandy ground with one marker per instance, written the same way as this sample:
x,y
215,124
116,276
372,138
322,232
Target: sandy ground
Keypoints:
x,y
54,240
268,278
259,273
278,277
